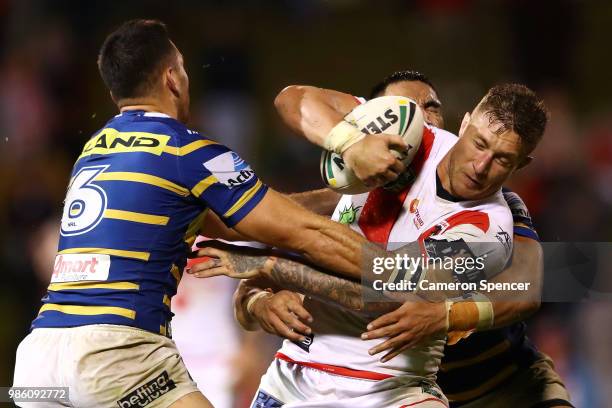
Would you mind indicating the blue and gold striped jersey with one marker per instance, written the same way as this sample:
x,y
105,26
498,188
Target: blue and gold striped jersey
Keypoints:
x,y
137,196
485,360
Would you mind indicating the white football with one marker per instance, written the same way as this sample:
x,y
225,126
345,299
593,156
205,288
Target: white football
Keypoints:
x,y
393,115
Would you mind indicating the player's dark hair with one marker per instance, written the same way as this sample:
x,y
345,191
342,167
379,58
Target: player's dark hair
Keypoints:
x,y
516,107
399,76
133,55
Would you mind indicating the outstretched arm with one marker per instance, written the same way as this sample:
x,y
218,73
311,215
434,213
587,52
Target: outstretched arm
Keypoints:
x,y
322,202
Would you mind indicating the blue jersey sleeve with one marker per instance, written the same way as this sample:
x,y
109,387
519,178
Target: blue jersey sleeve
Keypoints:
x,y
222,181
523,225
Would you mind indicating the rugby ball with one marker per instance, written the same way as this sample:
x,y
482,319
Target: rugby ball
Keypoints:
x,y
394,115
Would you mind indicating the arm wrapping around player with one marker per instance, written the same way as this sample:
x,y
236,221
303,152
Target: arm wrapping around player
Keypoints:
x,y
526,267
318,115
313,112
309,280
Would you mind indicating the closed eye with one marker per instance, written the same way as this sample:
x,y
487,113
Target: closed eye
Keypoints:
x,y
479,145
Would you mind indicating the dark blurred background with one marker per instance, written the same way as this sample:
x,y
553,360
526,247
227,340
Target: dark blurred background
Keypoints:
x,y
239,54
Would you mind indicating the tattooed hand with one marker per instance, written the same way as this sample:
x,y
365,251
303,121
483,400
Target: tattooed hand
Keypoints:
x,y
229,260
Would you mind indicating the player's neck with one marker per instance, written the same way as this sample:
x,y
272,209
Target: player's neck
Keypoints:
x,y
443,173
147,105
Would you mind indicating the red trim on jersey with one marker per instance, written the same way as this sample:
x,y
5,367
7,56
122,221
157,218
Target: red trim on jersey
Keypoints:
x,y
479,219
382,207
424,150
332,369
425,400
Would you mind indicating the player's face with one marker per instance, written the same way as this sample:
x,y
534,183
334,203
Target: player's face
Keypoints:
x,y
483,158
423,95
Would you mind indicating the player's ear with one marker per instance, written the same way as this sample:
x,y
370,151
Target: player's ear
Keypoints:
x,y
172,82
464,123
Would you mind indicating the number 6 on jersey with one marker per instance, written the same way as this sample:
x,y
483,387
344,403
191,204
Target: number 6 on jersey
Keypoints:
x,y
85,202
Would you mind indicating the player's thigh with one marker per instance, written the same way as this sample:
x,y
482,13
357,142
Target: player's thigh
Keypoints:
x,y
192,400
535,386
39,363
126,367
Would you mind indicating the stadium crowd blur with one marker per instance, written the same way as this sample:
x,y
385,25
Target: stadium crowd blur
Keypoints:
x,y
240,55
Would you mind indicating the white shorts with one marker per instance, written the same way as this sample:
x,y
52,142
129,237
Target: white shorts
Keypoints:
x,y
103,366
291,385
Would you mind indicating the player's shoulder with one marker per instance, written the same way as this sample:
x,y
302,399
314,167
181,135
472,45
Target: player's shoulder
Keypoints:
x,y
497,208
436,143
155,123
498,220
185,142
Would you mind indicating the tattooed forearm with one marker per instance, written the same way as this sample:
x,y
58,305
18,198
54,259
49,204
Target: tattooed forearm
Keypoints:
x,y
310,281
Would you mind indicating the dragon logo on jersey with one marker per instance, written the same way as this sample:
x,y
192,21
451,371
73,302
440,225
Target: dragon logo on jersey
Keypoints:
x,y
348,215
230,169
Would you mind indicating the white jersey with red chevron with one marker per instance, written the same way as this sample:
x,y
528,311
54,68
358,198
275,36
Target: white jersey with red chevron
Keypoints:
x,y
392,219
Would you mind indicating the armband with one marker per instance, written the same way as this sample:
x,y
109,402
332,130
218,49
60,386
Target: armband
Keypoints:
x,y
342,136
474,312
255,298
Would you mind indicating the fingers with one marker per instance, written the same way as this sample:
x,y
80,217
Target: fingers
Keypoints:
x,y
283,315
396,142
385,320
394,353
281,329
209,273
286,311
204,265
394,343
398,167
300,312
385,331
293,323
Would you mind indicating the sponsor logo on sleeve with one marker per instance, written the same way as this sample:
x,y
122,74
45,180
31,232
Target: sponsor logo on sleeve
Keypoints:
x,y
230,169
149,392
